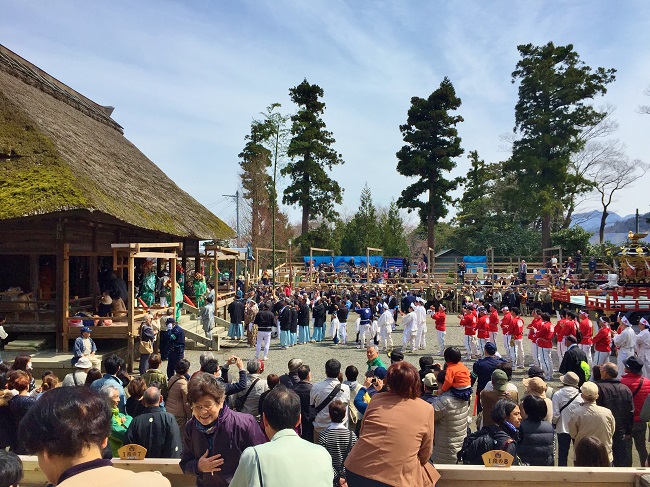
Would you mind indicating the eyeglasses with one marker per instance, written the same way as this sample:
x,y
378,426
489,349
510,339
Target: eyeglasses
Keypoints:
x,y
206,406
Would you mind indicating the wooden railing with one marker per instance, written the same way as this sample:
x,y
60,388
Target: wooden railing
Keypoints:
x,y
450,475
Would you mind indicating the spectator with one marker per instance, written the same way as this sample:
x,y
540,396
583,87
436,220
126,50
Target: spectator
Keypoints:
x,y
618,399
211,366
176,348
640,387
591,452
326,391
483,368
23,362
373,357
154,375
19,405
255,386
112,367
176,400
589,419
78,376
337,439
564,400
67,428
303,389
7,433
373,383
11,469
291,378
211,449
119,421
147,339
490,398
272,380
134,405
155,429
450,416
93,375
537,387
506,419
537,444
429,387
275,463
536,371
84,346
573,358
396,420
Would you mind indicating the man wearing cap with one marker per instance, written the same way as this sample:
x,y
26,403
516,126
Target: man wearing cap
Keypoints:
x,y
535,371
640,387
84,346
365,315
395,356
643,346
573,358
78,376
536,386
625,341
586,328
564,401
590,419
499,391
483,368
617,398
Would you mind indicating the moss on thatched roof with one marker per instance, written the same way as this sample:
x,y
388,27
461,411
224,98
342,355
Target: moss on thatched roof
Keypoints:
x,y
56,157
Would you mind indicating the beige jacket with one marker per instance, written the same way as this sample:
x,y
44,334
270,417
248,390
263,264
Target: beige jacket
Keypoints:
x,y
589,419
176,402
113,476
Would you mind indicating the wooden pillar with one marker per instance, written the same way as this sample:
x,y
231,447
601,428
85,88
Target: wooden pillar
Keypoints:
x,y
131,314
34,275
92,268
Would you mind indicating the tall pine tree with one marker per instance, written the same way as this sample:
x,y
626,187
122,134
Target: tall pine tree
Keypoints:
x,y
432,143
555,92
310,152
363,230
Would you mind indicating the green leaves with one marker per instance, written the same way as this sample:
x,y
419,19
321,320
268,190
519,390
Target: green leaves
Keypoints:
x,y
432,143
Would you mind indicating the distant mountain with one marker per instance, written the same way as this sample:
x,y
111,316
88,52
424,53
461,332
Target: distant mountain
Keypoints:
x,y
590,220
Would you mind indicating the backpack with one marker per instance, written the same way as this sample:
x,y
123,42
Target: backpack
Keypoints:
x,y
475,445
586,369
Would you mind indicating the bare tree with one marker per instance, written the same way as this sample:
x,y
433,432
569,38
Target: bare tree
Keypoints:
x,y
614,172
645,109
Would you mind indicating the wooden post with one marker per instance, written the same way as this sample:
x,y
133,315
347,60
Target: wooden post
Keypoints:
x,y
92,268
131,313
34,275
311,257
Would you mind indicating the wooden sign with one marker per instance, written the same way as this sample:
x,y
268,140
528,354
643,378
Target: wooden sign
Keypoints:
x,y
497,458
132,452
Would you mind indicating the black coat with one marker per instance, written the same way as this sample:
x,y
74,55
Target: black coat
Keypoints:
x,y
285,318
303,315
618,399
536,444
303,389
236,311
571,363
157,431
319,314
294,320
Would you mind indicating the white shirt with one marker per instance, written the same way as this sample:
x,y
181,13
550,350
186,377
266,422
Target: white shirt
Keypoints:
x,y
559,399
319,393
626,339
422,315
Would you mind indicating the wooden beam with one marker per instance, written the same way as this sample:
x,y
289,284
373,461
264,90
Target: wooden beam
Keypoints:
x,y
177,245
131,316
153,255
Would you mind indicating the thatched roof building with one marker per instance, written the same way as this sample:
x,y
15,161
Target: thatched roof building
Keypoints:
x,y
61,151
71,185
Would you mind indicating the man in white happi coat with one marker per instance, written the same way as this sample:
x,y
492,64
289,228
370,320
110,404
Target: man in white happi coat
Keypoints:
x,y
385,324
421,312
625,342
410,323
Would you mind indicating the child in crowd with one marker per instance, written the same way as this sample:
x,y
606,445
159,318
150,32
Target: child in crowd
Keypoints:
x,y
457,376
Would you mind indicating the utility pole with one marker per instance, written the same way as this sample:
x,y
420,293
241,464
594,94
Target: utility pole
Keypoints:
x,y
236,197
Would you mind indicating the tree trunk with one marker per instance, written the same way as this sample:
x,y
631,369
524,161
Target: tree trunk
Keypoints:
x,y
431,236
305,220
568,218
546,231
603,221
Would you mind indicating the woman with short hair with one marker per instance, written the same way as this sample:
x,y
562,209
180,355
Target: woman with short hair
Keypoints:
x,y
396,420
215,436
505,431
18,406
536,435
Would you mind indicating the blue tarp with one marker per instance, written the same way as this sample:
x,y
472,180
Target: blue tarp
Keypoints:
x,y
475,262
341,261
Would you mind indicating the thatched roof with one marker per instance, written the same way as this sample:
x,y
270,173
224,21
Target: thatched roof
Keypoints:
x,y
60,151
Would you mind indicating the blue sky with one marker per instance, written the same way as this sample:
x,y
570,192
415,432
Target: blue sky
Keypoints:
x,y
187,78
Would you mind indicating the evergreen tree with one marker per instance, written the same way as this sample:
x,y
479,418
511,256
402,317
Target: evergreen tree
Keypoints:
x,y
480,199
310,151
552,111
363,229
393,234
432,143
